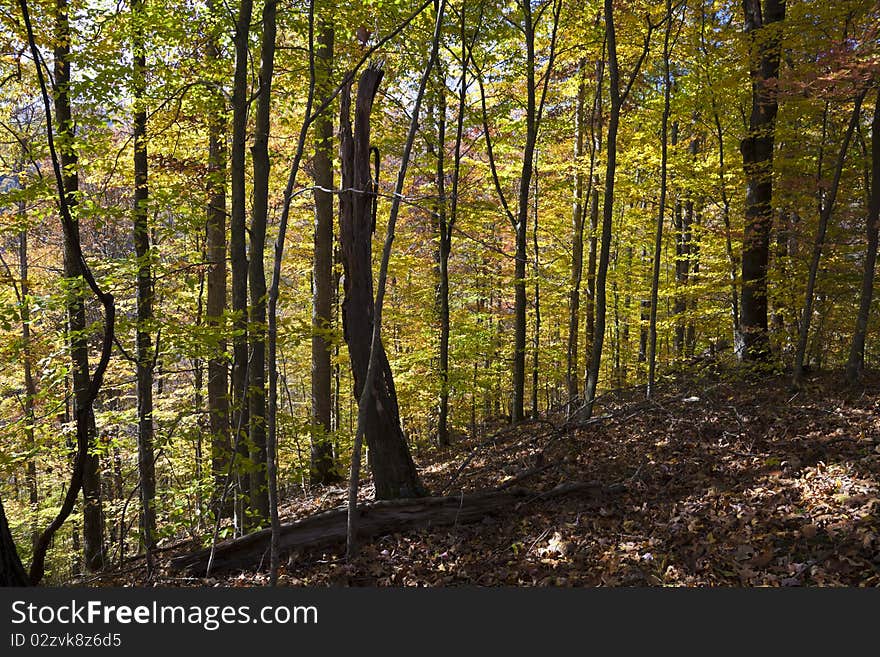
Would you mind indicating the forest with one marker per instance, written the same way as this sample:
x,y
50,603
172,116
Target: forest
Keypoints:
x,y
439,293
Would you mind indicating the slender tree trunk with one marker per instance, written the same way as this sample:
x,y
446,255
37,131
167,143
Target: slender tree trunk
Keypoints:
x,y
690,339
218,395
856,361
259,502
757,153
824,217
658,234
322,467
618,96
238,241
577,240
596,136
521,226
536,269
30,387
443,239
143,251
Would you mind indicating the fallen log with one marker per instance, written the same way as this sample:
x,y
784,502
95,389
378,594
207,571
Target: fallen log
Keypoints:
x,y
383,517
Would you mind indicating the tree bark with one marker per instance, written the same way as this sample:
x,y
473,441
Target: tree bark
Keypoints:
x,y
30,387
259,495
757,153
661,211
93,539
218,395
143,251
238,242
327,528
856,360
12,572
577,240
394,472
618,96
322,467
444,236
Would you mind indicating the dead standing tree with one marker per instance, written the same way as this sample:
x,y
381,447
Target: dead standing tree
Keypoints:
x,y
394,472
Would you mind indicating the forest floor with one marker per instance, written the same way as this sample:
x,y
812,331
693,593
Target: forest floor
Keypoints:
x,y
723,483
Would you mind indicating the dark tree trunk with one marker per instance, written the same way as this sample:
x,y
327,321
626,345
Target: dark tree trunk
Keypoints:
x,y
661,210
218,395
856,361
618,95
322,468
146,468
12,573
238,240
93,544
577,241
30,387
394,472
259,490
757,153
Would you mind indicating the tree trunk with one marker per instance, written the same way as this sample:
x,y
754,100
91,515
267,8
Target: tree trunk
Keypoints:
x,y
218,395
12,573
322,468
30,388
618,96
259,492
607,212
577,241
856,361
661,211
394,472
757,153
93,549
237,243
86,387
824,217
143,251
438,152
327,528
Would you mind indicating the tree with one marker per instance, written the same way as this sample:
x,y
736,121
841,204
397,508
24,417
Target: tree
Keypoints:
x,y
762,27
322,467
618,95
215,188
856,359
259,497
238,242
530,18
825,210
86,385
658,239
143,251
394,472
11,571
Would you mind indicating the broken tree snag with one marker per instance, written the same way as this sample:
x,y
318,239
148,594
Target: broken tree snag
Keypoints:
x,y
394,472
382,517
